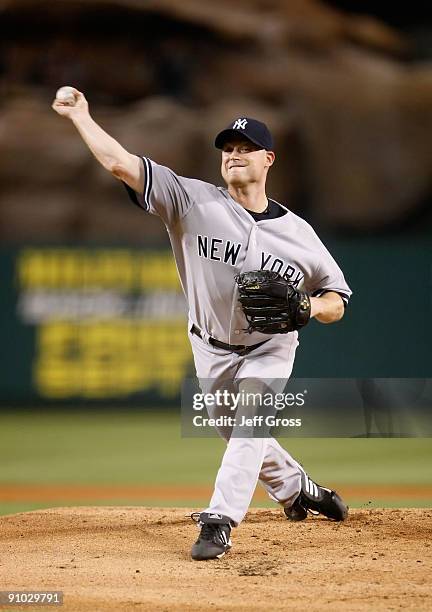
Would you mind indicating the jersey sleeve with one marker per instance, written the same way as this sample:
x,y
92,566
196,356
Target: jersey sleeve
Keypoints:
x,y
328,276
165,194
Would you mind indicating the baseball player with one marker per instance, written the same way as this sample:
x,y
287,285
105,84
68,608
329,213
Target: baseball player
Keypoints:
x,y
253,273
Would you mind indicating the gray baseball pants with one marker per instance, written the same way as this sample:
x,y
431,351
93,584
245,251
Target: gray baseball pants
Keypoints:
x,y
248,460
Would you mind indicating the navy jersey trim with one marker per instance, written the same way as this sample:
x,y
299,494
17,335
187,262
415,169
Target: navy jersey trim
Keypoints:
x,y
148,184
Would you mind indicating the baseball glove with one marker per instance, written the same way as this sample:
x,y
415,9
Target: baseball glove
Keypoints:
x,y
272,305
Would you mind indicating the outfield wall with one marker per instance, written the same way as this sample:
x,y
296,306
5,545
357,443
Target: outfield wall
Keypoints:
x,y
108,323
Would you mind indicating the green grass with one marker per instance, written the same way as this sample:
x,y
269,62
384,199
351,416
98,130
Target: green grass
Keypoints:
x,y
110,448
147,448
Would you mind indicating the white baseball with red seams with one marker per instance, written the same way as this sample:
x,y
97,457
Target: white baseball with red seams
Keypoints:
x,y
66,95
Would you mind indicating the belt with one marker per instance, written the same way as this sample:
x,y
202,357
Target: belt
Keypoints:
x,y
240,349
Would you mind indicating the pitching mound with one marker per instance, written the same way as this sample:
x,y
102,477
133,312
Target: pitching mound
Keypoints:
x,y
138,559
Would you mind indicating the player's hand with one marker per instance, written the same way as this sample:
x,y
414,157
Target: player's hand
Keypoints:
x,y
80,107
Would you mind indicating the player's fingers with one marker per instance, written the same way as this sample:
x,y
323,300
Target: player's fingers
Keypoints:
x,y
78,95
57,105
61,109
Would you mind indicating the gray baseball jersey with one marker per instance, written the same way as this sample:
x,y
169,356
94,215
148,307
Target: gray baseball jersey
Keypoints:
x,y
214,238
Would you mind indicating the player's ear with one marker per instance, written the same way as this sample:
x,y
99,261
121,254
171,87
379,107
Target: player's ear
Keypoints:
x,y
270,157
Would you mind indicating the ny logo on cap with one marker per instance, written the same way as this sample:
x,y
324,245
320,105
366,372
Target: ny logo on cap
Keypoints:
x,y
240,124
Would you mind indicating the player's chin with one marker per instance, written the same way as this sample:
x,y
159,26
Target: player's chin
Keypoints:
x,y
237,179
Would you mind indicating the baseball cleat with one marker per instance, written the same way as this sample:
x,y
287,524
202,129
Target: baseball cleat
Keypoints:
x,y
214,538
316,499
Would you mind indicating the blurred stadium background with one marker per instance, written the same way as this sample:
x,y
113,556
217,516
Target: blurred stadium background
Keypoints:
x,y
94,345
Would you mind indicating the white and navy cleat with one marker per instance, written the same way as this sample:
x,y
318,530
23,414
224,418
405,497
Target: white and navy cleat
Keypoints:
x,y
214,538
316,499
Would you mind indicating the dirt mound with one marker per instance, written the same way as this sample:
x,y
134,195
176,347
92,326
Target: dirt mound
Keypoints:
x,y
138,559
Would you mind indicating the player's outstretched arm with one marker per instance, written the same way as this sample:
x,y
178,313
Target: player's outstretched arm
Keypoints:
x,y
122,164
328,308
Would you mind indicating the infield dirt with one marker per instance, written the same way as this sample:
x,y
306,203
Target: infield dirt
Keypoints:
x,y
111,558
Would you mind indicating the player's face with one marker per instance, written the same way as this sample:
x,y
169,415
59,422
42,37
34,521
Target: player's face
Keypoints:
x,y
243,162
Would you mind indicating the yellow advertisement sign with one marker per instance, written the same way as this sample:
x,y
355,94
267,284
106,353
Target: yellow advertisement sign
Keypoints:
x,y
110,322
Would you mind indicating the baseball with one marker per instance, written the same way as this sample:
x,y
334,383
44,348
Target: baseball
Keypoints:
x,y
66,95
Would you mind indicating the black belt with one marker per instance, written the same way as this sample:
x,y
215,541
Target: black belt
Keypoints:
x,y
240,349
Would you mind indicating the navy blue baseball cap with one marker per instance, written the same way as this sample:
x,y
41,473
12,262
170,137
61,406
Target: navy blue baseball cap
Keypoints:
x,y
252,129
